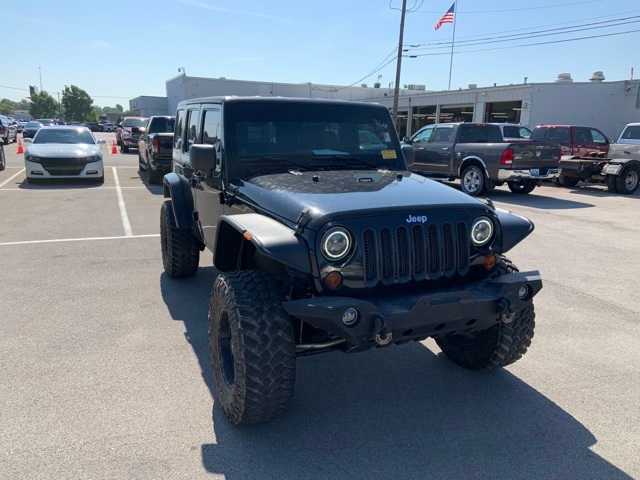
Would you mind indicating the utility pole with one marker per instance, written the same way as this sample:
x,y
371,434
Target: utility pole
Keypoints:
x,y
396,92
40,72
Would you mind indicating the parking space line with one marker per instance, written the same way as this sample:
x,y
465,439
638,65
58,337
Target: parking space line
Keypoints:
x,y
126,224
67,240
12,177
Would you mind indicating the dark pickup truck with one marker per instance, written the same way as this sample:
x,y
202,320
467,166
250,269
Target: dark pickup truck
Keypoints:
x,y
479,156
155,148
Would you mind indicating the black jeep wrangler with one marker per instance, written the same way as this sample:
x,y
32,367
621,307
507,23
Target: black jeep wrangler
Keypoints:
x,y
324,241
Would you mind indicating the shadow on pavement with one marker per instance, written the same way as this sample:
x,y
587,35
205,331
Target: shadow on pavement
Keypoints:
x,y
599,191
59,184
536,201
402,412
144,179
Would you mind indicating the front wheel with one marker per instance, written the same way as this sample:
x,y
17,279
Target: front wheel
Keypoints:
x,y
180,251
524,187
252,347
628,181
501,345
473,181
568,182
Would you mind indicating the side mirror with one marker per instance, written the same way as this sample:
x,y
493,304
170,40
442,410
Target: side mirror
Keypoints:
x,y
202,158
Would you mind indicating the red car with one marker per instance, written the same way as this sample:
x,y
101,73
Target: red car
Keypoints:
x,y
574,140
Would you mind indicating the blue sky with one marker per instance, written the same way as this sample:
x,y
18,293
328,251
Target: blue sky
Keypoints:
x,y
128,48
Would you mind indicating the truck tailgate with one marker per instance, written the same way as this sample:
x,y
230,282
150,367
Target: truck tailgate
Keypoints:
x,y
527,155
166,141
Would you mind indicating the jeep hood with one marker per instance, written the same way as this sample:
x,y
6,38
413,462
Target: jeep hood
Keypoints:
x,y
345,192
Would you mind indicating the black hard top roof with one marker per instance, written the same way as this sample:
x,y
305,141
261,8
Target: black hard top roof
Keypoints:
x,y
234,99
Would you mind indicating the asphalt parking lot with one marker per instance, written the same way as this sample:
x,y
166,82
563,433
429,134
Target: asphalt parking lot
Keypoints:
x,y
105,371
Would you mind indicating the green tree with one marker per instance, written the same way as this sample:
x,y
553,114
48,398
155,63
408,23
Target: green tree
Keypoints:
x,y
7,107
43,105
77,104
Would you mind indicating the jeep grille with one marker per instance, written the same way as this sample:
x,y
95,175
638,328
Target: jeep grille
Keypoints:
x,y
419,252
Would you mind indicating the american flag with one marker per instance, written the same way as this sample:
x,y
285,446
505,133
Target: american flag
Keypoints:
x,y
448,17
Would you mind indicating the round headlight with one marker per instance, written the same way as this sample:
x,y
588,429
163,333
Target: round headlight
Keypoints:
x,y
481,232
336,244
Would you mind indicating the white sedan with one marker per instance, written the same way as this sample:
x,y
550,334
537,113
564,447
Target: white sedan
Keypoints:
x,y
64,152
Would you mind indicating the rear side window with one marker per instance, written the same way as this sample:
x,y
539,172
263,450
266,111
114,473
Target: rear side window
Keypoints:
x,y
161,125
479,134
516,132
178,133
211,126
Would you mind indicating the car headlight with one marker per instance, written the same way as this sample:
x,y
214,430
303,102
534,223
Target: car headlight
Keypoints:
x,y
482,231
336,244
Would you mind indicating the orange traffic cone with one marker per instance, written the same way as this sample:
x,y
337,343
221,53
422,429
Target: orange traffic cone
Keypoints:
x,y
20,149
114,148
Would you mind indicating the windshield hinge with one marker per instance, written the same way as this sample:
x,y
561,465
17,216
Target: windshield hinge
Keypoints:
x,y
303,221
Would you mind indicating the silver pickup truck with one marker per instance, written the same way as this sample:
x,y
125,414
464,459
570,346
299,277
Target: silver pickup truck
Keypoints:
x,y
480,157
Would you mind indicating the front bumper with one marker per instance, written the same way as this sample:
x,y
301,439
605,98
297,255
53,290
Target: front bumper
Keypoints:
x,y
505,175
473,307
90,170
161,162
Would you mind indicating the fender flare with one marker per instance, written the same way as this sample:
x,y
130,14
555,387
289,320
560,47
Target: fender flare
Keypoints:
x,y
270,238
513,229
465,160
177,188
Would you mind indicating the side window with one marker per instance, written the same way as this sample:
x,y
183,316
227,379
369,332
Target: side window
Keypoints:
x,y
443,135
179,130
559,135
583,136
211,127
193,129
423,136
598,138
525,132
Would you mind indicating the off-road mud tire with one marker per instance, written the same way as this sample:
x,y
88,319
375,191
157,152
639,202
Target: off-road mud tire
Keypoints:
x,y
180,250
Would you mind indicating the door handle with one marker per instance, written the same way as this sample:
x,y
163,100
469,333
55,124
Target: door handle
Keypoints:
x,y
446,149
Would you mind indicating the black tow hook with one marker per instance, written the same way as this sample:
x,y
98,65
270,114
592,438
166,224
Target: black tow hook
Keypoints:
x,y
382,335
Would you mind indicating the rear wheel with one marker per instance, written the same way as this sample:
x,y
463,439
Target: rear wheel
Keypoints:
x,y
125,148
252,347
524,187
180,251
499,346
155,177
473,181
612,184
568,182
3,160
629,180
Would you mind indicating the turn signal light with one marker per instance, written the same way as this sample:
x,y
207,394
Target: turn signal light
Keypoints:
x,y
333,280
489,262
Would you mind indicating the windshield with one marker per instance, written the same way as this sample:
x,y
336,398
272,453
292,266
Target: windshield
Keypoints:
x,y
33,125
161,125
265,137
67,135
134,122
631,134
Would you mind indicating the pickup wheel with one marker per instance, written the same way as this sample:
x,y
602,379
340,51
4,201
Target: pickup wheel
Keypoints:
x,y
154,176
252,347
628,180
180,251
3,160
473,181
568,182
612,184
500,345
523,187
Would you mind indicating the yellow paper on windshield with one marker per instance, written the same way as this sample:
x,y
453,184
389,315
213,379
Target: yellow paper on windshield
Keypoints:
x,y
389,154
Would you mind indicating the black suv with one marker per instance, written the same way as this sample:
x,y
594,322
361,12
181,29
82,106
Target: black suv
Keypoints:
x,y
324,241
8,130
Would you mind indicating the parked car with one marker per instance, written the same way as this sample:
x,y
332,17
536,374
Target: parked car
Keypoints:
x,y
573,140
63,152
128,132
480,157
620,170
512,132
30,129
108,127
324,243
3,159
94,126
155,147
8,130
46,121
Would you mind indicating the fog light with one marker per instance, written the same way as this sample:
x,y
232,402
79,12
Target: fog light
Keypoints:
x,y
350,317
333,280
523,292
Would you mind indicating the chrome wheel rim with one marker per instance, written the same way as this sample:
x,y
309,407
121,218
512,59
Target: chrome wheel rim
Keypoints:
x,y
472,180
631,180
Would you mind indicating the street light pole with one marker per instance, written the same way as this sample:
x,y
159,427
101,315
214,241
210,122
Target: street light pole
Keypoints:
x,y
396,92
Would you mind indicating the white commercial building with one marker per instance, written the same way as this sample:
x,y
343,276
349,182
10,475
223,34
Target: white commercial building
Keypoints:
x,y
146,106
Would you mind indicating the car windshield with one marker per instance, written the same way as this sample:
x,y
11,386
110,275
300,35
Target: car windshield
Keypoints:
x,y
265,137
66,135
33,125
134,122
161,125
631,133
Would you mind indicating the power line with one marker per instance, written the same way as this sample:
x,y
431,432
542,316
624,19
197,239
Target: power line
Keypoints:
x,y
552,42
522,9
389,58
526,36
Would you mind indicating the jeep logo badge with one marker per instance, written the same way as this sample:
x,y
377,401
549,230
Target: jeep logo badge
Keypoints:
x,y
417,219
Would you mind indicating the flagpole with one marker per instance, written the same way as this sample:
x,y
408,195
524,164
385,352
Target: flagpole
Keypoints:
x,y
453,41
